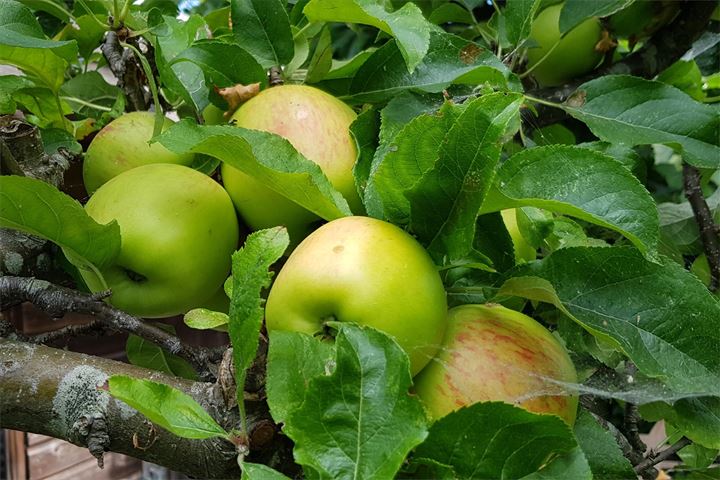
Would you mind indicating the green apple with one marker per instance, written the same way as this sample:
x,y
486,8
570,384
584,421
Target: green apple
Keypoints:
x,y
122,145
178,230
524,252
493,353
317,125
366,271
557,59
213,115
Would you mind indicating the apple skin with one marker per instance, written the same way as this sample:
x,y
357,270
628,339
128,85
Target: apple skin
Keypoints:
x,y
491,353
365,271
123,144
317,125
524,252
178,230
575,53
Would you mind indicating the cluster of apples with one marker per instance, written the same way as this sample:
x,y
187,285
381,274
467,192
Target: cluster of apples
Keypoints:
x,y
179,229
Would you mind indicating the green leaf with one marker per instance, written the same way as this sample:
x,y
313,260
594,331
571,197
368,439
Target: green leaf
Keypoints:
x,y
450,13
698,419
582,183
166,406
90,88
258,471
173,36
222,64
250,274
9,84
450,59
445,202
145,354
267,157
55,138
87,33
575,12
624,154
495,440
24,45
321,59
678,227
44,105
407,25
659,315
408,156
686,76
518,16
393,118
634,111
601,450
293,360
35,207
204,319
54,8
364,129
262,27
360,421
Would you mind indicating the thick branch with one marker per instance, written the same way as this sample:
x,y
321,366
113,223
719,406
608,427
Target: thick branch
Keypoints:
x,y
653,459
56,393
658,53
127,71
709,232
57,300
22,153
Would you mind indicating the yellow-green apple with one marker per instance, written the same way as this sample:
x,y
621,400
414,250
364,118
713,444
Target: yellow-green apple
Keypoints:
x,y
178,230
494,353
366,271
123,144
556,59
317,125
524,252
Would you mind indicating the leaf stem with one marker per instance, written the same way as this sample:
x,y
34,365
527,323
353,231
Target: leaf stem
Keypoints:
x,y
159,116
87,104
82,3
543,102
303,30
529,70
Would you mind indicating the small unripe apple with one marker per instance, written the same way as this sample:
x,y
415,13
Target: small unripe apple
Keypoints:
x,y
317,125
524,252
493,353
365,271
123,144
178,230
568,56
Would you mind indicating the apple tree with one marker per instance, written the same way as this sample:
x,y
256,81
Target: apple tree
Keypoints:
x,y
546,172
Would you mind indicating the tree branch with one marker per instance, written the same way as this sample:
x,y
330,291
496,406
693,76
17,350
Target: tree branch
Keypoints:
x,y
663,49
55,392
653,459
709,232
57,300
129,74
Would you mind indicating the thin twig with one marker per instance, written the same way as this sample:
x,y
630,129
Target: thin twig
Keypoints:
x,y
56,301
709,232
653,459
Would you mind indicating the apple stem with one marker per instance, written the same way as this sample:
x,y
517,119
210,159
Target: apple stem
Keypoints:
x,y
275,75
